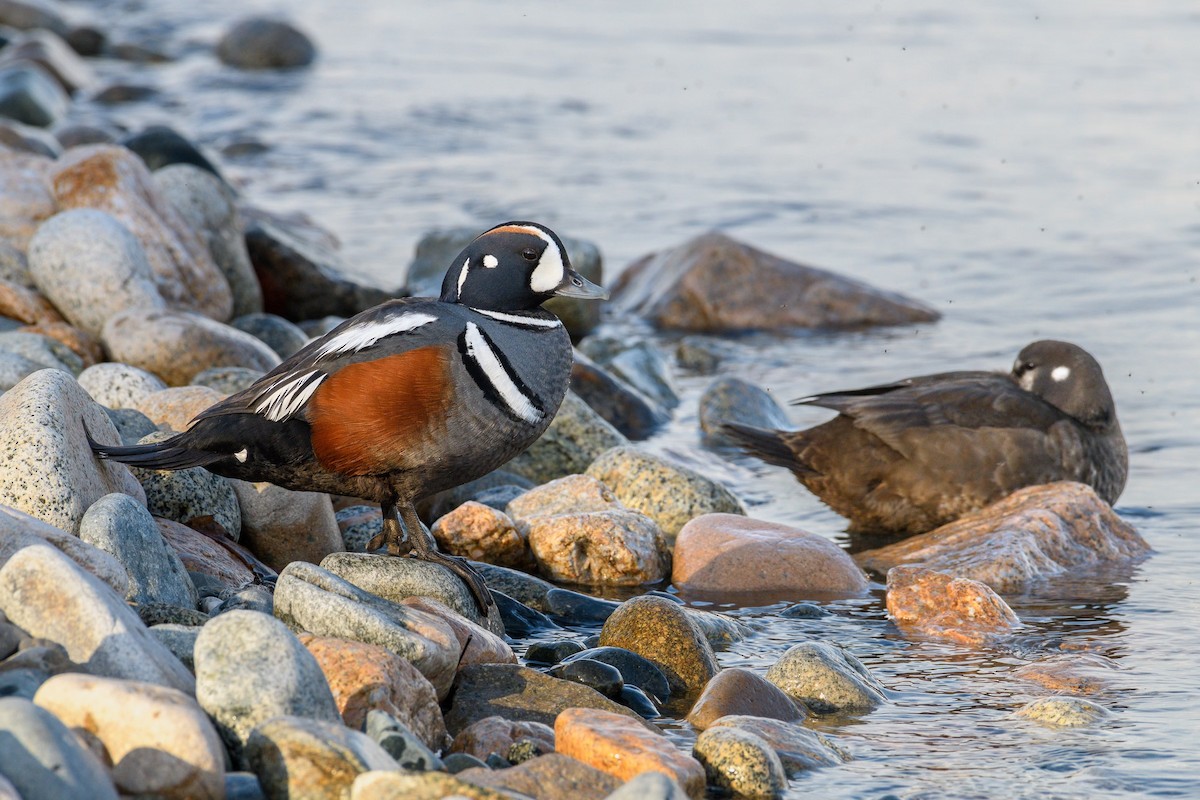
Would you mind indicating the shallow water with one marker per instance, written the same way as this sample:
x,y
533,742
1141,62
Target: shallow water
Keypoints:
x,y
1030,169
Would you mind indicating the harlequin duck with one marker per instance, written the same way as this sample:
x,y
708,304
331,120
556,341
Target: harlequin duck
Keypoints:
x,y
905,457
405,399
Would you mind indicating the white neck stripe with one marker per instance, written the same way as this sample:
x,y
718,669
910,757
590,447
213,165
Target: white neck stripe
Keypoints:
x,y
482,354
517,319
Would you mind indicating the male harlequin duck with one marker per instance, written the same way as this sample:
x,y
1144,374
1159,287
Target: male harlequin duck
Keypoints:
x,y
906,457
405,399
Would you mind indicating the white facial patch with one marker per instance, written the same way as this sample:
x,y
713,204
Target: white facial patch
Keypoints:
x,y
551,270
288,395
490,261
1060,374
356,337
479,351
462,275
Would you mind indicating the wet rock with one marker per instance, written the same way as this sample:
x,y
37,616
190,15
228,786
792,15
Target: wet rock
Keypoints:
x,y
281,526
313,599
826,679
113,179
804,611
160,146
302,278
928,603
31,14
730,399
740,762
552,652
207,204
26,138
668,493
18,530
520,620
476,644
117,385
739,691
48,596
227,380
47,49
303,757
550,775
521,586
624,748
520,694
265,43
662,632
604,678
649,786
634,669
731,554
175,345
79,134
175,407
481,533
1071,673
641,366
30,94
621,405
121,526
798,748
49,471
251,668
599,548
284,337
41,758
24,203
401,743
713,283
498,735
577,608
1036,533
1063,712
173,750
204,556
575,438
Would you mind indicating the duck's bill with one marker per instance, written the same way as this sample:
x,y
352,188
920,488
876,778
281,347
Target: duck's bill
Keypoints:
x,y
575,285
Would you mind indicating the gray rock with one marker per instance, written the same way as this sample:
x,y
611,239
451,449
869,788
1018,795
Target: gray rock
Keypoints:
x,y
227,380
730,399
520,586
798,748
296,757
46,466
644,368
45,761
243,786
207,204
48,352
740,762
14,266
576,437
250,598
118,524
250,668
15,368
30,15
16,136
1063,712
265,43
48,50
21,682
184,494
276,332
439,505
118,385
649,786
401,743
47,595
29,94
19,530
619,404
131,424
826,679
359,525
180,640
90,267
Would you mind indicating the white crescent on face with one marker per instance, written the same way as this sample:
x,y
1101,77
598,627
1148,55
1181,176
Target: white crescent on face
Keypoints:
x,y
550,270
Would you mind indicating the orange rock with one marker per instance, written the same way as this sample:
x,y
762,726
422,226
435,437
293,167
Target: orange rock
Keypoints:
x,y
624,747
25,305
200,553
939,605
82,343
177,406
481,533
477,644
364,677
496,734
549,775
739,691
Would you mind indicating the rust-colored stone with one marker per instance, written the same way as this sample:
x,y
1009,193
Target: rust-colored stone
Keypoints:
x,y
944,607
25,305
477,644
496,734
200,553
739,691
481,533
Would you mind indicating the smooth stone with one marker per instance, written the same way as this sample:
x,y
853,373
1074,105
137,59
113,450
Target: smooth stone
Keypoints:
x,y
643,367
730,399
243,786
713,283
48,50
25,202
15,368
649,786
381,785
932,604
604,678
1063,712
152,614
575,607
175,345
251,598
572,442
299,757
521,586
204,556
663,633
112,179
282,336
669,493
23,303
481,533
49,596
18,530
637,701
739,691
79,134
519,619
624,748
620,405
826,679
731,554
160,146
121,526
38,141
740,762
40,349
10,636
635,670
495,734
477,645
804,611
281,526
549,775
174,408
29,94
798,748
401,743
160,741
251,668
552,652
265,43
599,548
21,682
571,494
313,599
80,348
179,639
116,385
520,694
1034,534
44,760
1071,673
185,494
227,380
30,15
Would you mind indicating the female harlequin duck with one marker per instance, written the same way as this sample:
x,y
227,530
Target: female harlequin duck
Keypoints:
x,y
906,457
408,398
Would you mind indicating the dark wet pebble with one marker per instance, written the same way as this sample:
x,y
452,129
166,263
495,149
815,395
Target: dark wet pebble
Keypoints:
x,y
519,619
730,399
635,670
457,762
497,761
552,652
697,355
159,146
86,40
10,637
635,699
243,786
575,607
604,678
804,611
521,586
621,405
28,94
265,43
119,93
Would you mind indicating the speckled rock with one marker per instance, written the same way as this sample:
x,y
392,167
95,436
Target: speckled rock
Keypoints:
x,y
713,283
48,469
668,493
497,735
798,748
131,424
401,743
121,526
208,206
201,555
573,441
826,679
118,385
1071,673
737,690
179,639
175,345
48,596
300,757
83,345
15,368
90,266
1033,534
183,495
175,407
282,526
250,668
161,742
313,599
624,748
274,331
18,530
24,203
227,380
740,762
30,94
43,350
649,786
729,554
661,631
359,525
265,43
599,548
380,785
549,775
476,644
519,694
928,603
1063,712
42,759
367,677
619,404
113,179
572,494
481,533
730,399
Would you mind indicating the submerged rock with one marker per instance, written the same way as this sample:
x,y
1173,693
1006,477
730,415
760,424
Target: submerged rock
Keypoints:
x,y
941,606
798,748
1063,712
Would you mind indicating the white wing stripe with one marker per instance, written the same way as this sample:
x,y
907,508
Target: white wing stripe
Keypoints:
x,y
517,319
482,354
288,396
356,337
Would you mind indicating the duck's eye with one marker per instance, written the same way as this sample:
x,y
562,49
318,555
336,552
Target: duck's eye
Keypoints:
x,y
529,254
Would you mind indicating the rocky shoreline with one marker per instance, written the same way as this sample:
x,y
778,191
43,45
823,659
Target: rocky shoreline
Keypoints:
x,y
179,634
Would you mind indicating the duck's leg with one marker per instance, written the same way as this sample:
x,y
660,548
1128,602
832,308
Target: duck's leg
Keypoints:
x,y
424,547
392,536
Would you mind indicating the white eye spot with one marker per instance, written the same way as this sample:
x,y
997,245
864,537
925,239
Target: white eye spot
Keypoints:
x,y
242,455
490,261
1060,374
